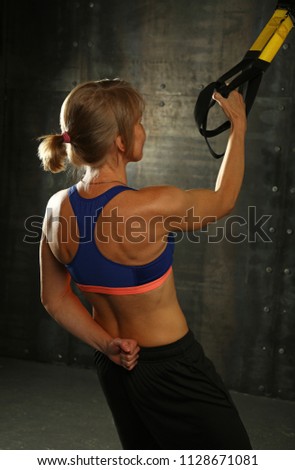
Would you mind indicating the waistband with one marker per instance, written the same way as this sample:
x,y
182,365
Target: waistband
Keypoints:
x,y
167,350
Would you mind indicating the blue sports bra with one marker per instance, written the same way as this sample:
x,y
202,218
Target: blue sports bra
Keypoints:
x,y
93,272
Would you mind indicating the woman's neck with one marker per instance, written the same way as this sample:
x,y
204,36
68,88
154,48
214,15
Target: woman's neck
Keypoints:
x,y
106,174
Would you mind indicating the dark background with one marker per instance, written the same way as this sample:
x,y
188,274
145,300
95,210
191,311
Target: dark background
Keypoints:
x,y
238,295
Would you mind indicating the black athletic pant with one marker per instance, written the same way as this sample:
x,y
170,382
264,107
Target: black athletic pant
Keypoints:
x,y
172,399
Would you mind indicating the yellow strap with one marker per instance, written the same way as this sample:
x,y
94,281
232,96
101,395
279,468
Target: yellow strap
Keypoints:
x,y
273,35
277,40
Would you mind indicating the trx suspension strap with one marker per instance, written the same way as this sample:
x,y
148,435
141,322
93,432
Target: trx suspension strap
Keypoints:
x,y
247,74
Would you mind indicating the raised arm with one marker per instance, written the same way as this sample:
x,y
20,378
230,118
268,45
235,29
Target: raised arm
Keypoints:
x,y
193,208
67,310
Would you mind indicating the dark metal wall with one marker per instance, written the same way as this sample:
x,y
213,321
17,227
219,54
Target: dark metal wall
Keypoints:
x,y
235,282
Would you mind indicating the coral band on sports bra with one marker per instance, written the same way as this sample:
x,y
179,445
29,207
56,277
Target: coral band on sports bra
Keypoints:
x,y
127,290
93,272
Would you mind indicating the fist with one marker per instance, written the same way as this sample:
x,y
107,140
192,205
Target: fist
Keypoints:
x,y
123,352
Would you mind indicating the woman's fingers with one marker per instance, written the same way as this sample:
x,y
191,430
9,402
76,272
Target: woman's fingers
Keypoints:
x,y
233,106
129,361
128,350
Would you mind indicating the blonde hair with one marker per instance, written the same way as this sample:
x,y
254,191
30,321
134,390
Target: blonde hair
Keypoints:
x,y
92,115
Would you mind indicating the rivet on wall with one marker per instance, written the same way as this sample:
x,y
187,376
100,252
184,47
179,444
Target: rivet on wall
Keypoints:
x,y
292,190
289,231
264,348
286,46
277,149
266,309
268,269
272,229
281,351
261,388
287,271
274,189
75,44
162,103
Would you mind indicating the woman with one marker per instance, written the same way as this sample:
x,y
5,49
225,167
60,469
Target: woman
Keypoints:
x,y
114,242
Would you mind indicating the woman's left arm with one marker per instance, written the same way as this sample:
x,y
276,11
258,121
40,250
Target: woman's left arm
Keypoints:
x,y
68,311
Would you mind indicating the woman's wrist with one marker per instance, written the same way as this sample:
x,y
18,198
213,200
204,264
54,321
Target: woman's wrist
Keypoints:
x,y
239,125
105,344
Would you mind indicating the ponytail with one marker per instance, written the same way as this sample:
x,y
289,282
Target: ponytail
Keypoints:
x,y
52,152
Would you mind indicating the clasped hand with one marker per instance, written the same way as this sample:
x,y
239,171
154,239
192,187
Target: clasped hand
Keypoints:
x,y
123,352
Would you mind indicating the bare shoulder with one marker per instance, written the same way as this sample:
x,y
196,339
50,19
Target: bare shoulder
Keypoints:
x,y
153,201
164,191
57,211
57,204
57,200
58,197
158,200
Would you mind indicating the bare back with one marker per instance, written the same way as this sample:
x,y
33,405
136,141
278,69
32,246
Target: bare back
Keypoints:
x,y
152,318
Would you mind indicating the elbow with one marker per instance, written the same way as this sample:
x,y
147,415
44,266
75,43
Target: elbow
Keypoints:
x,y
45,298
229,208
51,298
226,205
50,304
47,304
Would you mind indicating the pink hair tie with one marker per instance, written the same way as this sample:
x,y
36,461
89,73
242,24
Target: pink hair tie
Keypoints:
x,y
66,137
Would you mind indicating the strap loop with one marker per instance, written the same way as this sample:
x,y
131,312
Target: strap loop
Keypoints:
x,y
246,76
